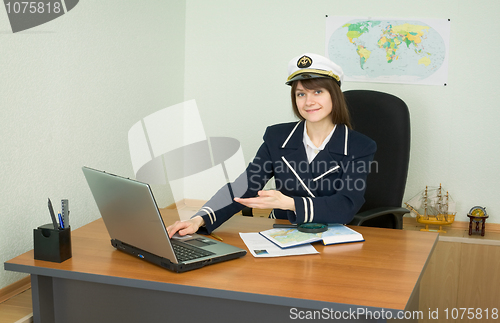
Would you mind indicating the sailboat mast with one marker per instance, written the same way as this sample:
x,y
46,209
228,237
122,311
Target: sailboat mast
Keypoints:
x,y
440,200
425,202
446,203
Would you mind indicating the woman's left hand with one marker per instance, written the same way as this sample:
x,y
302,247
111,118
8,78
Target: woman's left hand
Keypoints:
x,y
271,199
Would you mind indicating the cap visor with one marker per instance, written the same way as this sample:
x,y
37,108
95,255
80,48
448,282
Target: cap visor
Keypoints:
x,y
308,76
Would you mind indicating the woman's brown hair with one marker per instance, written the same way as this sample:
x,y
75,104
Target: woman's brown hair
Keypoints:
x,y
340,113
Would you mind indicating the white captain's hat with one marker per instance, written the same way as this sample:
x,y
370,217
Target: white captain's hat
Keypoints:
x,y
309,66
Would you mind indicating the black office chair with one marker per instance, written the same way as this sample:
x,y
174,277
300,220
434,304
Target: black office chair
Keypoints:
x,y
385,119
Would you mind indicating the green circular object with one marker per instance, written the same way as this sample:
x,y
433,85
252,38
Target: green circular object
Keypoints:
x,y
312,227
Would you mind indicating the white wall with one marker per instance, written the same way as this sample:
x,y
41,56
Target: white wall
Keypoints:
x,y
236,59
69,92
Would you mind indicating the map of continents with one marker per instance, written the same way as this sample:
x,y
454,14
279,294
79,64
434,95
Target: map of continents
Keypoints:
x,y
387,50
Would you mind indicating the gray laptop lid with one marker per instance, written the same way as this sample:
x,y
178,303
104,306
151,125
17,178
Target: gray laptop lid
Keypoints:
x,y
130,213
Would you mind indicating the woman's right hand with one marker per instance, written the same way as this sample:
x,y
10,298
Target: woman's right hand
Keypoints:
x,y
185,227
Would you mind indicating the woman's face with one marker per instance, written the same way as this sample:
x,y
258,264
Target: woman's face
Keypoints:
x,y
314,105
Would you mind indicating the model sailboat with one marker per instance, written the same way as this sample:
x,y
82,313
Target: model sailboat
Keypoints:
x,y
431,206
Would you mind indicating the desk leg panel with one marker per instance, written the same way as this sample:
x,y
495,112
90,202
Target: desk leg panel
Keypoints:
x,y
43,299
78,301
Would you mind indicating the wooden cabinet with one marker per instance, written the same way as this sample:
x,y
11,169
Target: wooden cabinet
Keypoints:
x,y
462,279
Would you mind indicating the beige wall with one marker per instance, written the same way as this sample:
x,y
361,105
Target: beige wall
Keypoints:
x,y
70,90
237,54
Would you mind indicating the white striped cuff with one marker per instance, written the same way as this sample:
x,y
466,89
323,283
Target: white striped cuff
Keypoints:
x,y
308,209
210,212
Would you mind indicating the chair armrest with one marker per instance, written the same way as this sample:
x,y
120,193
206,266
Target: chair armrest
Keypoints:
x,y
398,213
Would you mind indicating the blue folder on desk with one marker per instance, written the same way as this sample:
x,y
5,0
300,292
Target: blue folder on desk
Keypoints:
x,y
136,227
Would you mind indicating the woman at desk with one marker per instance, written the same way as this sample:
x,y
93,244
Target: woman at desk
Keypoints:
x,y
319,164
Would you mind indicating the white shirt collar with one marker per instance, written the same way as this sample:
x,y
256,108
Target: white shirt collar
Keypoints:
x,y
311,149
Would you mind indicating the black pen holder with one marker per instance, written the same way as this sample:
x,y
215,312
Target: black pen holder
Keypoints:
x,y
51,244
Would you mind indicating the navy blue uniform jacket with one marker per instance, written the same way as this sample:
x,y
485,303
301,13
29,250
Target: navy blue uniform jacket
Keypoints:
x,y
328,190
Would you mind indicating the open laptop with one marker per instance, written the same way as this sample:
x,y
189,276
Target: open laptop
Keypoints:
x,y
135,226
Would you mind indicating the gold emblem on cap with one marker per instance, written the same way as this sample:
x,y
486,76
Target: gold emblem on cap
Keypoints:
x,y
304,61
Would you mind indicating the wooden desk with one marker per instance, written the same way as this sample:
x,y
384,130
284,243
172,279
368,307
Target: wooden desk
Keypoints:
x,y
100,284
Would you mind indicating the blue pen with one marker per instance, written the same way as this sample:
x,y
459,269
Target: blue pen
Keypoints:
x,y
61,223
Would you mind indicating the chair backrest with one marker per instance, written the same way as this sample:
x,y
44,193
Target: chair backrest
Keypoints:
x,y
385,119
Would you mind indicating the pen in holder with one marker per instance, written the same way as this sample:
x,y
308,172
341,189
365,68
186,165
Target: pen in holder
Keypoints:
x,y
52,244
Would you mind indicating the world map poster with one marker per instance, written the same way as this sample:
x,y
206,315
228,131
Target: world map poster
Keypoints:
x,y
390,50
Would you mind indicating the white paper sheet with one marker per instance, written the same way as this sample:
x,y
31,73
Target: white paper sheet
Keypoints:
x,y
261,247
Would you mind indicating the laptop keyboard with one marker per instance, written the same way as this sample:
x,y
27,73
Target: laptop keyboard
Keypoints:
x,y
185,252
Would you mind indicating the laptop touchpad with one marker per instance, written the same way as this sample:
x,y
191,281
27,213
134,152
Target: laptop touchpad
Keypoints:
x,y
200,242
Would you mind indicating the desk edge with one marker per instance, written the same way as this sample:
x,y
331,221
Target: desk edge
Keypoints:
x,y
191,290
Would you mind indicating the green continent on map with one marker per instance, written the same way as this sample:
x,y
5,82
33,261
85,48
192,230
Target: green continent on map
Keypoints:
x,y
393,36
354,31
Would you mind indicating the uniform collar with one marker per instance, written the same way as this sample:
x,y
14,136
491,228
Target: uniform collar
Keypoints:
x,y
337,144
